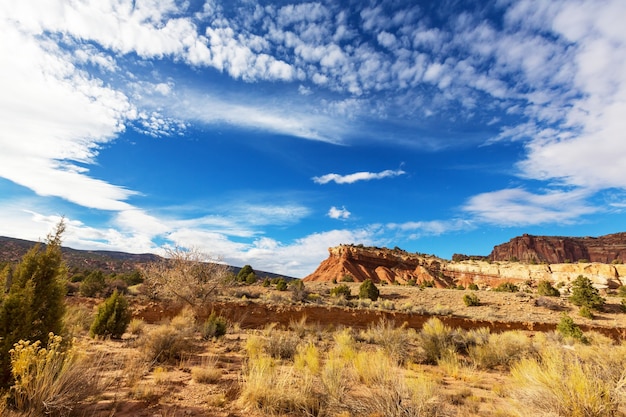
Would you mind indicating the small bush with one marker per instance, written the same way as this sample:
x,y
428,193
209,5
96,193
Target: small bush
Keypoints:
x,y
436,339
92,285
299,292
507,287
281,285
473,287
112,318
567,328
164,344
585,312
214,326
341,291
585,294
50,380
545,288
368,290
347,278
471,300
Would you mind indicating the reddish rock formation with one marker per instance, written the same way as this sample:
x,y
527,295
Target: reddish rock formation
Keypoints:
x,y
387,265
361,263
556,249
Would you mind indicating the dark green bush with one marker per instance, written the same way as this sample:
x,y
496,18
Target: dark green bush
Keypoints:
x,y
347,278
472,287
471,300
92,285
341,290
112,318
281,285
545,288
567,328
584,294
32,299
368,290
244,272
214,326
507,287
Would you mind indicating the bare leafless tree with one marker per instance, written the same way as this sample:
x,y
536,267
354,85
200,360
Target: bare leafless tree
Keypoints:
x,y
186,275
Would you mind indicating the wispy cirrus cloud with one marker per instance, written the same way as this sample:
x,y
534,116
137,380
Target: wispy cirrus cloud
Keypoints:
x,y
357,176
519,207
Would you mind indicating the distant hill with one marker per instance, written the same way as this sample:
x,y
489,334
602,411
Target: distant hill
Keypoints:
x,y
12,250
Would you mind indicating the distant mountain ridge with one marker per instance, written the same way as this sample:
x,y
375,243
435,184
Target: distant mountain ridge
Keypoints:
x,y
12,250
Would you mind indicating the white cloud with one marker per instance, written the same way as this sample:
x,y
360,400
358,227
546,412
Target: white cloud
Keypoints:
x,y
338,213
54,117
418,229
518,207
357,176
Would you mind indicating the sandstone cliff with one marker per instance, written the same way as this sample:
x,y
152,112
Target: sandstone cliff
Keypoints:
x,y
555,249
386,265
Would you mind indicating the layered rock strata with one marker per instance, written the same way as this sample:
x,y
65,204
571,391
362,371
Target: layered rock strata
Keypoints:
x,y
348,262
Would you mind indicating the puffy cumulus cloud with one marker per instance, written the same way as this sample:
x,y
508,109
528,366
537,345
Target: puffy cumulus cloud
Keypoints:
x,y
339,213
357,176
518,207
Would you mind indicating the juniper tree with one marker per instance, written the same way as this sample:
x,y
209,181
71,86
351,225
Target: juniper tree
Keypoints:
x,y
33,307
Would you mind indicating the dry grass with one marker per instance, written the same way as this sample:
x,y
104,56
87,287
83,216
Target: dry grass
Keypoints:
x,y
51,380
208,372
164,344
564,382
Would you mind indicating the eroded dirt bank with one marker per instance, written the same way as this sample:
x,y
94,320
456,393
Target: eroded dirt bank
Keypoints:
x,y
251,314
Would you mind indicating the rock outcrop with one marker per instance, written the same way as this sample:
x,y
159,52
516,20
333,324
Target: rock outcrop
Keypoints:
x,y
357,263
557,249
397,266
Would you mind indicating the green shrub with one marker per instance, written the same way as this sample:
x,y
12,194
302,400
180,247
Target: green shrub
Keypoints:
x,y
507,287
473,287
112,318
242,275
368,290
411,282
471,300
347,278
281,285
33,306
92,285
545,288
567,328
251,278
214,326
585,312
341,290
584,294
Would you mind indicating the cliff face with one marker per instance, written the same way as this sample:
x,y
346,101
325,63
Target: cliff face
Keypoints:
x,y
379,265
398,266
555,249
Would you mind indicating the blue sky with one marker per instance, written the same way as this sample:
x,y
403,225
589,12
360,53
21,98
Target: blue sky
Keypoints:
x,y
263,133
